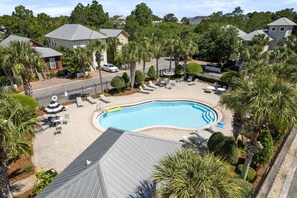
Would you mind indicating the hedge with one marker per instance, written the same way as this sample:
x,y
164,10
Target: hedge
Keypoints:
x,y
264,156
228,150
152,73
179,70
139,77
126,78
26,101
228,77
118,83
252,174
208,78
247,188
214,140
194,68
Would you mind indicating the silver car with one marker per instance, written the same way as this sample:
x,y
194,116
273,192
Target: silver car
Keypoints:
x,y
109,67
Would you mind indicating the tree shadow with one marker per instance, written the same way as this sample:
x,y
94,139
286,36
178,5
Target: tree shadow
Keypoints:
x,y
146,189
15,173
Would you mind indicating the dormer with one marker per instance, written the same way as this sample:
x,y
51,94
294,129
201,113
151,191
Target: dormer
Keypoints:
x,y
280,28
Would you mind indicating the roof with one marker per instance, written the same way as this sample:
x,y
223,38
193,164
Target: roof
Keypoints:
x,y
250,36
74,32
46,52
112,33
282,21
122,163
240,33
203,17
13,37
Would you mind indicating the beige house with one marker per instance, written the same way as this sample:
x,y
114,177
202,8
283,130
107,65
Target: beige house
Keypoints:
x,y
121,35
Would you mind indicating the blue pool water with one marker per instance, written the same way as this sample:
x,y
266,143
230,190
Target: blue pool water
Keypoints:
x,y
183,114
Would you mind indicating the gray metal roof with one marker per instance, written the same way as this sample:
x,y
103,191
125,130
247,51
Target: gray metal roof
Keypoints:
x,y
250,36
46,52
73,32
240,33
112,33
122,164
282,21
13,37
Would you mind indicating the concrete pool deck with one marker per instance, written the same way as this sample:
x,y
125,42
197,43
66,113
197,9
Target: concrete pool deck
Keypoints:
x,y
58,151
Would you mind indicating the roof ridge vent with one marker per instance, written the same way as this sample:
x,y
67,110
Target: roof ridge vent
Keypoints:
x,y
88,162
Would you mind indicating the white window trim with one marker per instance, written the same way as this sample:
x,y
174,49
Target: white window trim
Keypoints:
x,y
273,29
52,63
280,29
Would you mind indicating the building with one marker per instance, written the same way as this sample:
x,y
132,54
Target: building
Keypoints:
x,y
197,19
121,35
122,20
51,58
118,164
76,35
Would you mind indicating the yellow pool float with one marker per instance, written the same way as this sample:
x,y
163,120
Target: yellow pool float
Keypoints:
x,y
114,109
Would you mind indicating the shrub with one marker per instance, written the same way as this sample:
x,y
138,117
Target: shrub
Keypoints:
x,y
28,169
228,150
62,72
152,73
252,174
179,70
26,101
228,77
247,188
52,74
126,78
264,156
3,81
194,68
139,77
210,79
214,140
118,83
43,180
17,80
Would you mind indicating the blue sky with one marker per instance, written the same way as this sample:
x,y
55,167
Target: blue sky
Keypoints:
x,y
180,8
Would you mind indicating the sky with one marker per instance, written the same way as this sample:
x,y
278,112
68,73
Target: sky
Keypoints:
x,y
181,8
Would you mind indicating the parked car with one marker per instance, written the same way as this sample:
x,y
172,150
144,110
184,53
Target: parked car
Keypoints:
x,y
109,67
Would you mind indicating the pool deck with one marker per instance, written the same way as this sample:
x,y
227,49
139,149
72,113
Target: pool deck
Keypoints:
x,y
58,151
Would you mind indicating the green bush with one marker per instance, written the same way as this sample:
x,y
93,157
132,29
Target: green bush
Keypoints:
x,y
209,79
228,150
17,80
32,76
214,140
247,188
264,156
118,83
228,77
62,73
179,70
43,180
26,101
52,74
252,174
3,81
194,68
139,77
152,73
28,169
126,78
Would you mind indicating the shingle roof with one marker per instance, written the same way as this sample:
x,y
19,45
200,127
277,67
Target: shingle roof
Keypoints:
x,y
122,163
46,52
240,33
13,37
74,32
112,33
251,35
282,21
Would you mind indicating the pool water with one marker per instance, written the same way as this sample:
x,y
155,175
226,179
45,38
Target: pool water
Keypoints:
x,y
182,114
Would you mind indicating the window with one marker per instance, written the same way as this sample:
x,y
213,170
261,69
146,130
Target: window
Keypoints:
x,y
52,63
282,29
273,29
121,41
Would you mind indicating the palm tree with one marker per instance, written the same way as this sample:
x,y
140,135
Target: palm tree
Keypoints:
x,y
145,51
188,49
187,174
268,100
130,53
84,56
23,61
98,47
170,48
157,51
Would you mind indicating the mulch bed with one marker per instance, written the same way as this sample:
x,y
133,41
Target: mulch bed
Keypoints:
x,y
26,194
20,169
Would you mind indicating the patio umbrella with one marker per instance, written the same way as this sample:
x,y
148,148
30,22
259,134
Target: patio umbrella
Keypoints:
x,y
54,107
168,73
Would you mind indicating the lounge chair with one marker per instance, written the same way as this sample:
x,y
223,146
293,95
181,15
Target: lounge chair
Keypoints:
x,y
104,99
190,79
159,83
91,100
214,128
66,118
147,88
152,85
141,90
193,82
180,79
168,86
79,102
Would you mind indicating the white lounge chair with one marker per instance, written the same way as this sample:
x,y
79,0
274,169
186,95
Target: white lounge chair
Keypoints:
x,y
180,79
168,86
66,118
79,102
152,85
190,79
147,88
193,82
104,99
91,100
141,90
214,128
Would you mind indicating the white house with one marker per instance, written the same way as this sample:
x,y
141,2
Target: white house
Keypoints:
x,y
76,35
197,19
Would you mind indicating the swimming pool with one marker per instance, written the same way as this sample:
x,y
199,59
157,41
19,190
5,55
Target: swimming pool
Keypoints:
x,y
181,114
